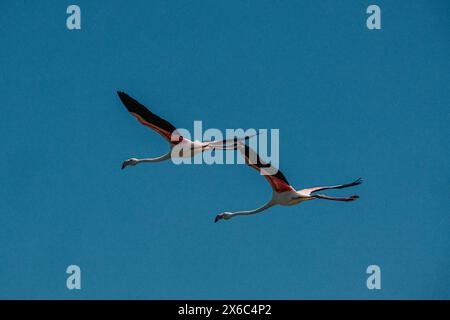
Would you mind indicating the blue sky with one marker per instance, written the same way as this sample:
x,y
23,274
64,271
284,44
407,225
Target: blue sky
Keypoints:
x,y
348,102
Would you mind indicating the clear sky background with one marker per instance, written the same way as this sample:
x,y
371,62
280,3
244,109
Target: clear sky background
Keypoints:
x,y
349,103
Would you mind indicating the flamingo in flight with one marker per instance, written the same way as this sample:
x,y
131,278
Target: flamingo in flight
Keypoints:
x,y
187,148
283,193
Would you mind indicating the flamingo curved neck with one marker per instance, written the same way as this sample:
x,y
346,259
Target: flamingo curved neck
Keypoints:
x,y
158,159
247,212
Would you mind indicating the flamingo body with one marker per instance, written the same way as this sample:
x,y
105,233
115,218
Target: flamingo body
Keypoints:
x,y
180,147
283,193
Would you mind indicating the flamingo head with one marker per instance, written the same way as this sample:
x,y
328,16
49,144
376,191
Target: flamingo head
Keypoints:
x,y
129,162
223,215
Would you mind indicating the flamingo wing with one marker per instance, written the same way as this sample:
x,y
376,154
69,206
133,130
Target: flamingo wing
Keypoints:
x,y
275,177
149,119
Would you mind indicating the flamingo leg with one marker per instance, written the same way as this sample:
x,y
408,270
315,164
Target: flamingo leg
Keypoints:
x,y
321,196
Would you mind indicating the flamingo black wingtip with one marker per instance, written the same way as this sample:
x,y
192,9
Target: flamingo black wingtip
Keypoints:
x,y
121,94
